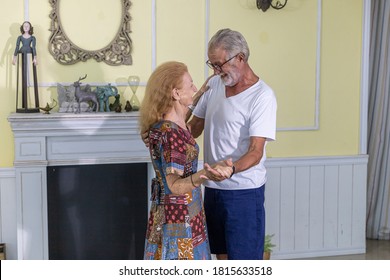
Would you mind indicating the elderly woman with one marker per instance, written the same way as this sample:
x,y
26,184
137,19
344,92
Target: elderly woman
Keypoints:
x,y
177,226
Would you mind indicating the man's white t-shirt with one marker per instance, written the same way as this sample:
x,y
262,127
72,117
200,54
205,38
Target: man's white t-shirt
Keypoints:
x,y
229,124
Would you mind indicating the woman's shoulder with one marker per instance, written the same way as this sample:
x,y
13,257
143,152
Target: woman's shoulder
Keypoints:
x,y
164,127
163,131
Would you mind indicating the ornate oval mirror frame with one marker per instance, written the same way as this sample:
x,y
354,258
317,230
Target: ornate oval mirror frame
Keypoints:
x,y
118,52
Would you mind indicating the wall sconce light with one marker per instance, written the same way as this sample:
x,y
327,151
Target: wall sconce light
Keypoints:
x,y
265,4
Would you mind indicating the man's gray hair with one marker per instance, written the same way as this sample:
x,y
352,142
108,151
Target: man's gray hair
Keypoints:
x,y
231,41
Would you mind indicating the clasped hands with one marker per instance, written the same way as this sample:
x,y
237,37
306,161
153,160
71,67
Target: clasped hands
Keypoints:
x,y
218,171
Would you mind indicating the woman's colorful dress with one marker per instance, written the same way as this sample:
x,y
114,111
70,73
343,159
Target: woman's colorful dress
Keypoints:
x,y
177,225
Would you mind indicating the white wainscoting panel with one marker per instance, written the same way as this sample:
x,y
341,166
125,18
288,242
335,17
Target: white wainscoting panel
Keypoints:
x,y
8,224
32,215
316,206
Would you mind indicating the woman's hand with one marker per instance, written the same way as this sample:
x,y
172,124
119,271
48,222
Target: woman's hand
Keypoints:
x,y
145,138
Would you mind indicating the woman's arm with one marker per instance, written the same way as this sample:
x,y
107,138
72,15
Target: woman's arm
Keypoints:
x,y
217,172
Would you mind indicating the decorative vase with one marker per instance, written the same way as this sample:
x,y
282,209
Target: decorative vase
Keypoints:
x,y
134,83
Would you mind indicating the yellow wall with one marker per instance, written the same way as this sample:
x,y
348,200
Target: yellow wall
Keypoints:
x,y
283,48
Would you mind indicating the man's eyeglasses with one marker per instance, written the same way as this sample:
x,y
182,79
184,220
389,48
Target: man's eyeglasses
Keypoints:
x,y
219,67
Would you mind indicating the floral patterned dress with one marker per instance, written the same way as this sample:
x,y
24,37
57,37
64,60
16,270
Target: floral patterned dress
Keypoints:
x,y
177,225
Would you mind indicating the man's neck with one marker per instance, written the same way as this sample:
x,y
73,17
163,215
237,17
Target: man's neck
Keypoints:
x,y
246,81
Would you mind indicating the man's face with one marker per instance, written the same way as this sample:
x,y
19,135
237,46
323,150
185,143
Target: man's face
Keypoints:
x,y
225,66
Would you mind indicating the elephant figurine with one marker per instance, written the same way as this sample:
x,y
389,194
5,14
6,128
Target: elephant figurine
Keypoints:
x,y
103,93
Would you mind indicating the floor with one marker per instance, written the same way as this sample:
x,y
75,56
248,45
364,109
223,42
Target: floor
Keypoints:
x,y
375,250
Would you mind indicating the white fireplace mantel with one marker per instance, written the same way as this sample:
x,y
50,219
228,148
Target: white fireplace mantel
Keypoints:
x,y
43,140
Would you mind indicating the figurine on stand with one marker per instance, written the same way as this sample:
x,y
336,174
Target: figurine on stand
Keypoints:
x,y
28,46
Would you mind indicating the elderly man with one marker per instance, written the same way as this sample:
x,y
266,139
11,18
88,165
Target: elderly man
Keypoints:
x,y
238,116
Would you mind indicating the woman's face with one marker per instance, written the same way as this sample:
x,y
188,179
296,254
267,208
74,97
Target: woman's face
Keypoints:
x,y
187,90
26,27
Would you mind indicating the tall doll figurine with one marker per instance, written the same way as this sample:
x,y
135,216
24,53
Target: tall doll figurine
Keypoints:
x,y
28,44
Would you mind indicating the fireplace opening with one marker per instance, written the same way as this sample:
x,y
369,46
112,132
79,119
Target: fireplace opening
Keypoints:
x,y
97,212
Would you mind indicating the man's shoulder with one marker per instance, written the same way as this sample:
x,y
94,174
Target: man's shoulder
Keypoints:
x,y
265,90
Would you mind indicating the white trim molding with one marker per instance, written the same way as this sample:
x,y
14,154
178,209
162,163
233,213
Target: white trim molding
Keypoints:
x,y
364,92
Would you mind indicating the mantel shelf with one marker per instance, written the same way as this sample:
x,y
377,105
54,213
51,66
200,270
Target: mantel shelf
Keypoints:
x,y
56,124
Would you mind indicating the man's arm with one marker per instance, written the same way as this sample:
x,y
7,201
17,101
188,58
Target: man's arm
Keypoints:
x,y
252,156
197,96
196,126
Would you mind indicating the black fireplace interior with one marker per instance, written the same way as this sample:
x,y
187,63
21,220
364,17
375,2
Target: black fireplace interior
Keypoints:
x,y
97,212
